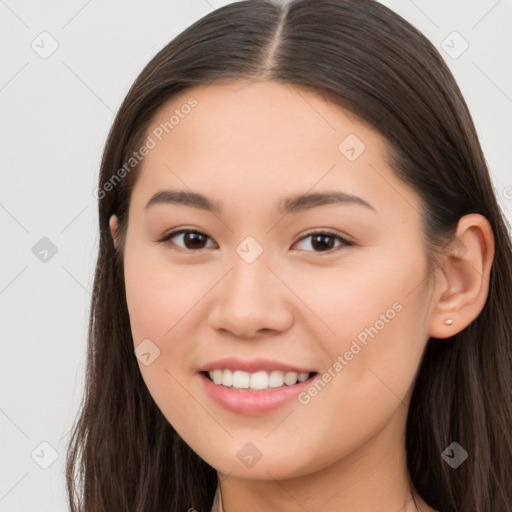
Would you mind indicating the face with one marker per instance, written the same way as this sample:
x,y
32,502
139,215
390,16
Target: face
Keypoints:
x,y
267,289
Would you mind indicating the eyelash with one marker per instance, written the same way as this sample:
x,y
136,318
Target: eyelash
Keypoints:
x,y
344,242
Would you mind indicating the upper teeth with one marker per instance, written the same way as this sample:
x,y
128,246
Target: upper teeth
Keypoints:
x,y
257,380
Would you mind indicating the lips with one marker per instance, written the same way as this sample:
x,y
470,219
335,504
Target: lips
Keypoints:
x,y
253,366
253,387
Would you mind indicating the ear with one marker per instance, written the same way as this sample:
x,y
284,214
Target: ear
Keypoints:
x,y
114,226
462,282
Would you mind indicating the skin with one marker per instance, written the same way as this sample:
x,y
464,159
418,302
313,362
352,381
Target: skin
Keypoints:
x,y
247,145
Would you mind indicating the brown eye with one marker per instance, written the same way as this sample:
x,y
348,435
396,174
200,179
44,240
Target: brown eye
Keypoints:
x,y
322,241
187,239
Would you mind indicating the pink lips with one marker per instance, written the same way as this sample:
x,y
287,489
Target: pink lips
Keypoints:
x,y
251,402
252,366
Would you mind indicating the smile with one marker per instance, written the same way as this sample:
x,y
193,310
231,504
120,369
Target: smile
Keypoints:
x,y
256,381
257,393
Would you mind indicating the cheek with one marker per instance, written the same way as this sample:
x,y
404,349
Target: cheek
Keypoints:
x,y
359,297
163,302
374,329
373,356
160,294
160,298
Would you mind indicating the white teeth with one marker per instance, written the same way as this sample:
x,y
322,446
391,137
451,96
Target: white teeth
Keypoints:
x,y
276,379
302,377
217,376
227,378
240,379
258,380
290,378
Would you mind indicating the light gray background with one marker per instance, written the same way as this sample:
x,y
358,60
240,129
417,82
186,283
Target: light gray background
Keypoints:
x,y
56,113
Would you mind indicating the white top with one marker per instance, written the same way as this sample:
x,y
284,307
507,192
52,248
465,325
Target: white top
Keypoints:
x,y
217,502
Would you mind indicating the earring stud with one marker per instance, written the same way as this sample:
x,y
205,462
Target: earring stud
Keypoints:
x,y
448,321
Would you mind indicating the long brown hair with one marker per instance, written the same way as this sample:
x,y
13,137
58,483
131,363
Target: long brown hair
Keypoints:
x,y
124,455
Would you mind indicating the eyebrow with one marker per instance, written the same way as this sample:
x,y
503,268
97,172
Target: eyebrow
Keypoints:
x,y
292,204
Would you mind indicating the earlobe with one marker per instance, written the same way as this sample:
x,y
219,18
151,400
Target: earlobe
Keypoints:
x,y
114,230
463,277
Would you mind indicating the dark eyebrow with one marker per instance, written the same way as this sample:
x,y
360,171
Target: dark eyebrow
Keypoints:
x,y
306,201
290,205
185,198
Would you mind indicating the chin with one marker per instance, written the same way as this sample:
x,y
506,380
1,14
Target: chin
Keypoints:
x,y
277,465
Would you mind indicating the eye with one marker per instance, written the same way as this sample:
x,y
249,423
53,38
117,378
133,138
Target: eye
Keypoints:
x,y
191,239
324,241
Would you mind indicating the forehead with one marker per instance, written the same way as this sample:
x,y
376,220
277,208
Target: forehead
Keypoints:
x,y
259,139
257,118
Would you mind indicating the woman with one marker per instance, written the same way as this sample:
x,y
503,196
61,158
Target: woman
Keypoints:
x,y
301,299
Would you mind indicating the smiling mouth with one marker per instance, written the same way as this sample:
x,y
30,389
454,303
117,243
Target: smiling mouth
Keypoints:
x,y
256,381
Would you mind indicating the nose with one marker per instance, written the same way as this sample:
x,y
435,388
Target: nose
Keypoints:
x,y
251,301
